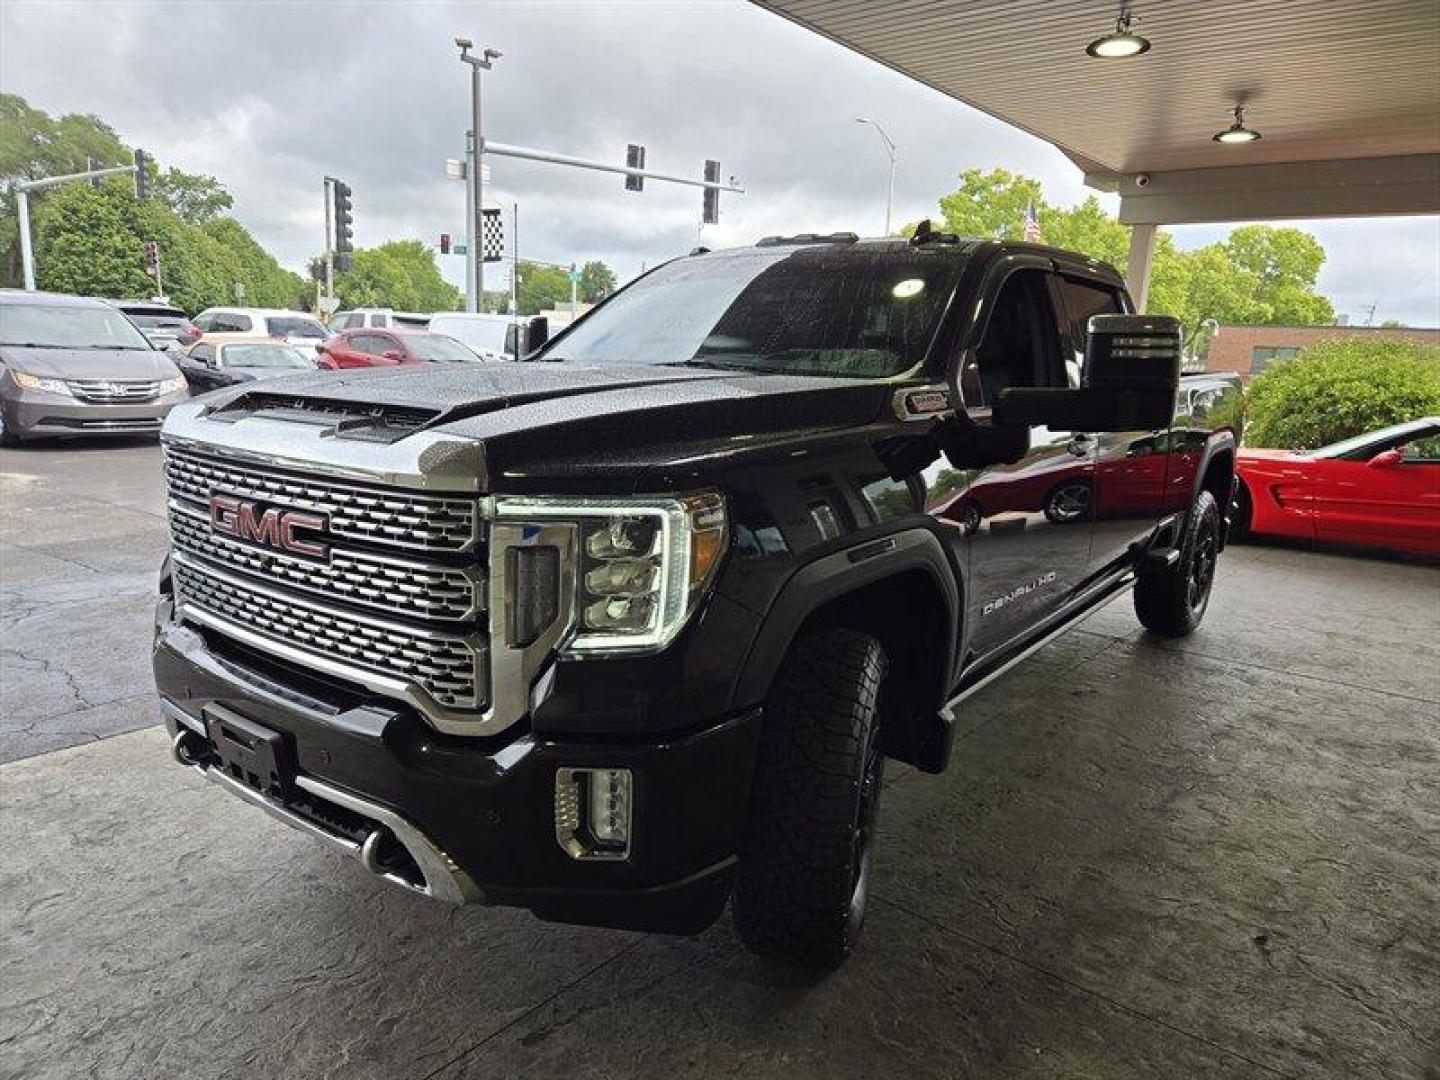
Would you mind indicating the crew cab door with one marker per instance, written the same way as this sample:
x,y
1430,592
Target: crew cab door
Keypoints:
x,y
1392,498
1025,526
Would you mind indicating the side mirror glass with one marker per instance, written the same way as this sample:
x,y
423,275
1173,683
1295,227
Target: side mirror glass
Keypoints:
x,y
1129,383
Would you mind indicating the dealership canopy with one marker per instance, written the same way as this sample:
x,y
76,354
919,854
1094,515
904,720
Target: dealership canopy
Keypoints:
x,y
1345,95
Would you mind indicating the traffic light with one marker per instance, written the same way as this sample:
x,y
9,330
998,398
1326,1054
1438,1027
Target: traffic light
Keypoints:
x,y
142,176
710,200
344,226
634,159
444,243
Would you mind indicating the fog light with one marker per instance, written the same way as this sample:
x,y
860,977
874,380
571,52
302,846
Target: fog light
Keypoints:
x,y
592,812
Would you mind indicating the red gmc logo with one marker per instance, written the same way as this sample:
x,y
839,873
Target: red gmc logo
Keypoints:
x,y
269,527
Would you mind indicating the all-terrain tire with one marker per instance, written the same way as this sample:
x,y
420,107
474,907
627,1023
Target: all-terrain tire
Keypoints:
x,y
805,861
1171,603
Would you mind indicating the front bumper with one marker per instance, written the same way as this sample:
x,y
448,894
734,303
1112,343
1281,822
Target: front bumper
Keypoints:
x,y
39,414
475,817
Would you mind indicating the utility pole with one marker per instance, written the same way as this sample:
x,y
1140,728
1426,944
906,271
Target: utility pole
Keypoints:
x,y
890,149
515,259
22,205
329,305
475,181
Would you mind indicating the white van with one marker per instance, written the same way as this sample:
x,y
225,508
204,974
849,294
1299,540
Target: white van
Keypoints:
x,y
378,319
494,337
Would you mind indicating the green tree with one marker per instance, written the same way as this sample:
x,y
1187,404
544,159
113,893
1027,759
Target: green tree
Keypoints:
x,y
597,281
92,241
194,198
1260,275
990,204
542,287
401,274
1336,389
34,145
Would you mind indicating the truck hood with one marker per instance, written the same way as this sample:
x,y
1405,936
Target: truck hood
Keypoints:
x,y
118,364
566,421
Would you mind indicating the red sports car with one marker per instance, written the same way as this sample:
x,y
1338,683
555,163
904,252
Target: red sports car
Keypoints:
x,y
1377,490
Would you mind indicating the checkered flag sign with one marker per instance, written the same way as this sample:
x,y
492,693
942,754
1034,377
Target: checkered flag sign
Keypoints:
x,y
492,236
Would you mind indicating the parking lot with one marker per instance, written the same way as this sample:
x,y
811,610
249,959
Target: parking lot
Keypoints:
x,y
1213,858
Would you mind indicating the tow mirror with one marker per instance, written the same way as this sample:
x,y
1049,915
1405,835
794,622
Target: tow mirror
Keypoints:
x,y
1129,382
538,333
1387,459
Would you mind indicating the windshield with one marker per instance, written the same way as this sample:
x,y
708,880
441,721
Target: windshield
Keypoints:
x,y
296,327
66,326
1360,442
263,355
805,311
440,349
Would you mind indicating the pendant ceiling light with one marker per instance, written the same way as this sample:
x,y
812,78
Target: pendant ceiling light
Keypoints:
x,y
1123,42
1237,132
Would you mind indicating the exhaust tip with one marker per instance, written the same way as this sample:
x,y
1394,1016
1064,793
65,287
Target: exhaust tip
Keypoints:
x,y
188,749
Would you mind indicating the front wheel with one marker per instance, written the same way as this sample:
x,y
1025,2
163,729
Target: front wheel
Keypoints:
x,y
1172,602
805,864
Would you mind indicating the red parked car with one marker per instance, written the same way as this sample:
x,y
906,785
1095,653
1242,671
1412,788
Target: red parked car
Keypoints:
x,y
386,348
1378,490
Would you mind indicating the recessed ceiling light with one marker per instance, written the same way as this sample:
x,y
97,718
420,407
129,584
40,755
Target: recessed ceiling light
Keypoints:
x,y
1123,42
1237,132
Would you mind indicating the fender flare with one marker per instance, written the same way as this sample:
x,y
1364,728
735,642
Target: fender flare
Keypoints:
x,y
1219,442
831,577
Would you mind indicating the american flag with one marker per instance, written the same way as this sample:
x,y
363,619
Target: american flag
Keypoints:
x,y
1033,234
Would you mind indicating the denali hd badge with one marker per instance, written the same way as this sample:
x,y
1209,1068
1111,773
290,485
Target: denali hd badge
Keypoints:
x,y
271,527
1017,592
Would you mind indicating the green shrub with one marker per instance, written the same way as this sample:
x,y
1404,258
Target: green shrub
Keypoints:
x,y
1336,389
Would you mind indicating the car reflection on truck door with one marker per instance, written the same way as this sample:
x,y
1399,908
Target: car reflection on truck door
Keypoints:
x,y
1024,526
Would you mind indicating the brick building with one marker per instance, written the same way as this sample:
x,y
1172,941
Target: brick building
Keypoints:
x,y
1247,350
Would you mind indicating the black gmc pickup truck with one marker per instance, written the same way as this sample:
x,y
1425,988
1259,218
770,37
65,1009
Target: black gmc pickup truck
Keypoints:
x,y
628,630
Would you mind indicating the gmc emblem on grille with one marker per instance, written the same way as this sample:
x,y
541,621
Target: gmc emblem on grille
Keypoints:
x,y
270,527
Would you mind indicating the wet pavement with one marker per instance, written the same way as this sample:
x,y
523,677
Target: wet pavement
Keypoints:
x,y
1213,858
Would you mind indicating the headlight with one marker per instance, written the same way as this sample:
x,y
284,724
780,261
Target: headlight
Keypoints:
x,y
35,382
172,386
640,567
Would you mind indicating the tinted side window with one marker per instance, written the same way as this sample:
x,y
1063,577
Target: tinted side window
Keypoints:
x,y
352,321
1082,299
226,322
1020,345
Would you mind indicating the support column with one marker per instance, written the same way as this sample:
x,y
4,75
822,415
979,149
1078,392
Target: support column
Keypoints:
x,y
1142,253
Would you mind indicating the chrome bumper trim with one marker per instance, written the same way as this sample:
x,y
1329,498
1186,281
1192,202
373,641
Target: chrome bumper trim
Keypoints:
x,y
443,879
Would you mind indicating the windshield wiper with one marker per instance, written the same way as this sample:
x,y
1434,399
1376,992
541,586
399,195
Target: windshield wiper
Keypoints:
x,y
36,345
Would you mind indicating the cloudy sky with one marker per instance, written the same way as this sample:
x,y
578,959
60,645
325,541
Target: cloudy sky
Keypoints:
x,y
270,97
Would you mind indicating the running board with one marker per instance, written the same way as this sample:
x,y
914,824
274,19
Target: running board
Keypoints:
x,y
1063,627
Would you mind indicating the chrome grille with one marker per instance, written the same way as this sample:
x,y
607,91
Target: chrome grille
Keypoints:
x,y
401,587
114,391
380,516
448,669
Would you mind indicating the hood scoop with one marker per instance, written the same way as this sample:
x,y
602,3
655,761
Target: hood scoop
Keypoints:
x,y
342,419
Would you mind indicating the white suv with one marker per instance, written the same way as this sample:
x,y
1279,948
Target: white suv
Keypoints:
x,y
377,319
296,328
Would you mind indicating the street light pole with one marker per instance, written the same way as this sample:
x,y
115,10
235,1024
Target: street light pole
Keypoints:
x,y
27,254
475,180
890,149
